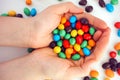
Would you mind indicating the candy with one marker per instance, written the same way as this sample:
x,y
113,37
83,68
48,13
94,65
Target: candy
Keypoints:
x,y
62,55
69,51
73,19
76,57
62,49
113,67
117,25
19,15
27,11
84,21
12,13
67,23
81,53
74,33
78,25
112,61
72,41
62,33
101,3
28,2
118,33
63,20
77,47
52,44
106,79
4,14
88,8
118,65
56,31
57,49
91,43
33,12
112,54
85,28
84,44
68,29
86,51
59,43
61,26
109,73
79,39
117,46
56,37
30,50
73,25
67,36
109,7
118,52
87,36
93,78
86,78
66,44
92,30
114,2
80,32
89,47
94,73
83,2
118,71
106,65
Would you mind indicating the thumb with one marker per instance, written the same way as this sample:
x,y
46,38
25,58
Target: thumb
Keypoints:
x,y
65,8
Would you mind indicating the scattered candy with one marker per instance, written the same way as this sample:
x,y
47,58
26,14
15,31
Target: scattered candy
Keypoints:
x,y
83,2
109,7
27,11
117,46
107,79
33,12
73,37
93,78
28,2
101,3
4,14
94,73
118,32
109,73
117,25
86,78
12,13
88,8
114,2
19,15
112,54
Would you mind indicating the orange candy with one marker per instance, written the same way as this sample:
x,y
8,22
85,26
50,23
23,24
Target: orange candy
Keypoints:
x,y
68,56
81,53
91,43
94,73
69,51
28,2
63,20
106,79
117,46
109,73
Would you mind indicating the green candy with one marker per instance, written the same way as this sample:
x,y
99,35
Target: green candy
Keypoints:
x,y
114,2
76,57
59,43
93,78
30,50
84,44
72,41
67,36
56,31
118,52
62,55
92,30
4,14
62,33
27,11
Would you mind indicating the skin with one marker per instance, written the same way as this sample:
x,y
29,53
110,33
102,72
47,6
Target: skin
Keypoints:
x,y
43,63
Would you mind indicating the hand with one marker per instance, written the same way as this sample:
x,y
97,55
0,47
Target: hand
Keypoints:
x,y
46,21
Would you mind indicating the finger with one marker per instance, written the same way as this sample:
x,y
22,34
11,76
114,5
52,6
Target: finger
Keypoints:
x,y
100,46
96,22
97,35
62,8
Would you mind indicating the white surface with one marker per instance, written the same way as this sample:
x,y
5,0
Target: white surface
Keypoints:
x,y
7,53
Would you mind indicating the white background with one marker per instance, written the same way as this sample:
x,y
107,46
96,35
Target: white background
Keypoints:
x,y
7,53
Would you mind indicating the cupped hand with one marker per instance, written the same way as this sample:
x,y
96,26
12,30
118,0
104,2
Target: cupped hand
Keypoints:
x,y
46,21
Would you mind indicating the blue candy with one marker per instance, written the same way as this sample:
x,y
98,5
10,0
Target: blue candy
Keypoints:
x,y
118,33
86,51
56,37
109,7
33,12
73,19
73,25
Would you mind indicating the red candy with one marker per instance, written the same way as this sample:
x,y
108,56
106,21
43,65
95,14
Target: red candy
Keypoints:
x,y
117,25
85,28
87,36
112,54
66,44
78,25
67,24
118,71
79,39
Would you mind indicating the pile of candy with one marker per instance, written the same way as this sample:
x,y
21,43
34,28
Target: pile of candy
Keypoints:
x,y
73,38
93,75
117,25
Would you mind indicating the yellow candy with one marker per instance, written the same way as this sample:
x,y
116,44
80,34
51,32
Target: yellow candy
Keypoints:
x,y
61,26
57,49
107,79
74,33
89,47
11,13
77,47
80,32
63,20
